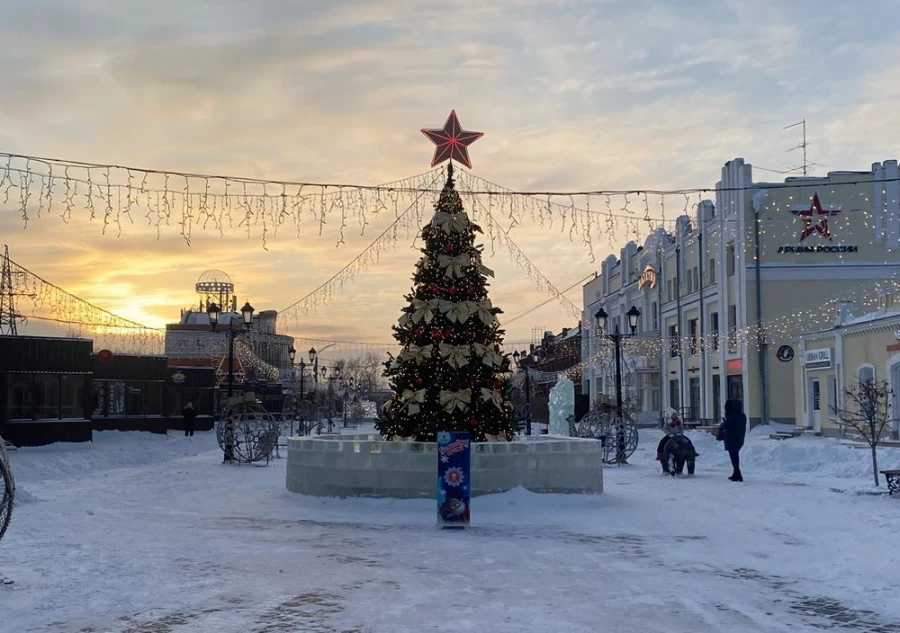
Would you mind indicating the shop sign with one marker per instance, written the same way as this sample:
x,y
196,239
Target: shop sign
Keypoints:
x,y
817,358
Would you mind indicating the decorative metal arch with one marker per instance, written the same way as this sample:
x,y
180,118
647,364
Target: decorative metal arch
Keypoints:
x,y
9,490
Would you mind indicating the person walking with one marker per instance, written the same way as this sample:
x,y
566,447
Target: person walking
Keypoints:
x,y
735,430
189,413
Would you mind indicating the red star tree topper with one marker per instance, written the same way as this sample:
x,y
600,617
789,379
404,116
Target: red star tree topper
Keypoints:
x,y
452,142
815,210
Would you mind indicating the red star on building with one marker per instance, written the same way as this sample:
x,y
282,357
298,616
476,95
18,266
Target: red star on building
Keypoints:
x,y
821,226
452,142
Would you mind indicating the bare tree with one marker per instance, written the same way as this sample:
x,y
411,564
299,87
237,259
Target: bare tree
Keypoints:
x,y
864,408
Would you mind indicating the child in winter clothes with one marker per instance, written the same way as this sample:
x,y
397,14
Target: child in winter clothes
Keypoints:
x,y
672,426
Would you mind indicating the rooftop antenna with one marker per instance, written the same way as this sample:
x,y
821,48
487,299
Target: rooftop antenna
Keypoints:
x,y
802,145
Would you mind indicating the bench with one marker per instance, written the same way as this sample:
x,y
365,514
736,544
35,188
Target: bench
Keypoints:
x,y
892,477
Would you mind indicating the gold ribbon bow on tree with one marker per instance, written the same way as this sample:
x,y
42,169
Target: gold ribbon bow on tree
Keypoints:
x,y
484,310
412,400
453,266
455,312
489,356
452,400
416,353
492,395
456,355
423,310
450,221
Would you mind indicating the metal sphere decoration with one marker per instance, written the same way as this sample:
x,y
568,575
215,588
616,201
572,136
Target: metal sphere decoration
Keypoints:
x,y
9,490
250,431
602,424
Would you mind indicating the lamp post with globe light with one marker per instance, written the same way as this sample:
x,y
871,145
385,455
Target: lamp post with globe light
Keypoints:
x,y
213,311
617,337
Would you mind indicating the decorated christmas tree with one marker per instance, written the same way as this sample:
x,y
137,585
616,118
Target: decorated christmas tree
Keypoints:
x,y
449,373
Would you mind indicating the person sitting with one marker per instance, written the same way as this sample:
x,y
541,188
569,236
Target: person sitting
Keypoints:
x,y
672,427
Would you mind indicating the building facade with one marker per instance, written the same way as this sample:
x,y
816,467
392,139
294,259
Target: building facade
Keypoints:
x,y
853,350
720,296
260,354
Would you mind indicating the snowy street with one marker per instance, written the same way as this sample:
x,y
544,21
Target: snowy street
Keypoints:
x,y
149,534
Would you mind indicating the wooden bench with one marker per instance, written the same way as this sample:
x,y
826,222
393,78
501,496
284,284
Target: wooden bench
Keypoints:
x,y
892,477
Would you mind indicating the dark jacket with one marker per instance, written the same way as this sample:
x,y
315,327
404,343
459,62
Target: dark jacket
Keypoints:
x,y
189,414
735,425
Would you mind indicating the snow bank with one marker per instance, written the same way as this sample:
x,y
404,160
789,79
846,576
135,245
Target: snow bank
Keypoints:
x,y
109,450
807,455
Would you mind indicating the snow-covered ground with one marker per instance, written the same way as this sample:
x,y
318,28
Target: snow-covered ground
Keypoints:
x,y
148,534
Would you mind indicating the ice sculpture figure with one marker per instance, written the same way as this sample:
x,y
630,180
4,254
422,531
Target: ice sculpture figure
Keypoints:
x,y
562,405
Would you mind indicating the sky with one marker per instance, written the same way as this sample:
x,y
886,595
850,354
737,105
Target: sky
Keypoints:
x,y
571,95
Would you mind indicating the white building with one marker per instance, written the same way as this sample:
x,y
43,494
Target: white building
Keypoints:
x,y
717,332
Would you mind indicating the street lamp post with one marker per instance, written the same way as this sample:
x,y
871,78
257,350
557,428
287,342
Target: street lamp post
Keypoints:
x,y
616,337
521,359
213,311
314,359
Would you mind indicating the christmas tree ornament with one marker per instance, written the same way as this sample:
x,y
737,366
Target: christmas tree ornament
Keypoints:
x,y
452,142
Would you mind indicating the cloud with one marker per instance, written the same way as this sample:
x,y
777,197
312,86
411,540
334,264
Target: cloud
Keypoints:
x,y
571,94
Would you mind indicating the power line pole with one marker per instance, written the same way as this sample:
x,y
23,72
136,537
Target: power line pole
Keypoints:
x,y
8,315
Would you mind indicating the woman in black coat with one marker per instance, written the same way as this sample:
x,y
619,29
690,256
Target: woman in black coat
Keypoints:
x,y
735,428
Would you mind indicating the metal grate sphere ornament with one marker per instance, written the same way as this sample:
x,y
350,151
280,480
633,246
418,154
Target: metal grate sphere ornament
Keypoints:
x,y
249,430
9,490
620,439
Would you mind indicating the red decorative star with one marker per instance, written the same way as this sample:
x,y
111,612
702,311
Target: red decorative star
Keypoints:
x,y
820,227
452,142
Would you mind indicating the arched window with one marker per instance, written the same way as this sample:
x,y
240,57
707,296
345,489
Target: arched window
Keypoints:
x,y
866,373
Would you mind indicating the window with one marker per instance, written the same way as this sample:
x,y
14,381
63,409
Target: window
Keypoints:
x,y
46,396
729,258
72,397
695,336
670,285
866,373
654,316
732,330
696,278
674,394
19,396
690,282
714,330
648,391
712,270
673,341
598,387
833,397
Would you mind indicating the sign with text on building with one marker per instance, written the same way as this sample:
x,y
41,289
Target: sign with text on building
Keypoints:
x,y
815,222
817,358
648,278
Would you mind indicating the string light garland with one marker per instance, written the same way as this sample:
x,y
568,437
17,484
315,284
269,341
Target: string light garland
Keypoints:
x,y
117,196
370,255
41,300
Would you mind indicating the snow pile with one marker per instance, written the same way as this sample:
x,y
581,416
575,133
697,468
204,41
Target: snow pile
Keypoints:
x,y
808,455
109,450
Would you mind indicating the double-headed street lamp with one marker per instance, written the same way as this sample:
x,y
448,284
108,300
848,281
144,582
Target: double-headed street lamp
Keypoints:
x,y
213,311
633,315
